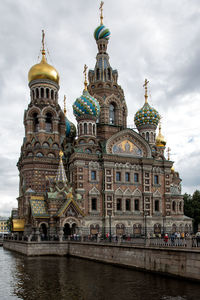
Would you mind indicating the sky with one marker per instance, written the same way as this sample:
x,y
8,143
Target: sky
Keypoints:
x,y
157,40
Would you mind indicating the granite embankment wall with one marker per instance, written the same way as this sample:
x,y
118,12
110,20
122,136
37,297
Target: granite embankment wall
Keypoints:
x,y
170,261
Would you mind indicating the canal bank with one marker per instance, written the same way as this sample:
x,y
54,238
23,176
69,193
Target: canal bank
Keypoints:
x,y
179,262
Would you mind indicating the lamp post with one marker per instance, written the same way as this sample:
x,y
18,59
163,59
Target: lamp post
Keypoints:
x,y
109,215
145,224
163,225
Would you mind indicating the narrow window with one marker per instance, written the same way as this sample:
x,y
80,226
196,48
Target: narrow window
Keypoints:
x,y
93,129
112,114
47,93
48,122
174,206
98,74
156,179
52,94
85,128
119,204
147,136
136,204
128,204
93,175
90,128
94,204
136,177
42,93
127,176
35,122
156,205
118,176
33,95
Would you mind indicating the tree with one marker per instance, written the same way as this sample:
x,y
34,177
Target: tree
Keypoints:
x,y
192,207
9,224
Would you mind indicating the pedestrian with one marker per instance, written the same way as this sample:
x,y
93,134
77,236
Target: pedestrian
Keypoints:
x,y
166,238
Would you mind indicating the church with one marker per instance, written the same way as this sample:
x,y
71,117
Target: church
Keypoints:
x,y
99,175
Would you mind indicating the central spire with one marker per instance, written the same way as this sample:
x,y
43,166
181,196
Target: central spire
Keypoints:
x,y
101,15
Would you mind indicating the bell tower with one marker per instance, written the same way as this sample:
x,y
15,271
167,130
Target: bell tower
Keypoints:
x,y
44,123
103,85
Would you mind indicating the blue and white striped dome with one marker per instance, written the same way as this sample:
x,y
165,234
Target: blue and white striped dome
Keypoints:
x,y
86,105
101,32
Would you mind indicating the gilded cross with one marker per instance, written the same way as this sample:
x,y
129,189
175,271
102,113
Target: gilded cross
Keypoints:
x,y
43,36
168,153
101,9
85,73
65,105
145,86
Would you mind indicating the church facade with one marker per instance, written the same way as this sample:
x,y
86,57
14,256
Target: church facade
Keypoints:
x,y
101,175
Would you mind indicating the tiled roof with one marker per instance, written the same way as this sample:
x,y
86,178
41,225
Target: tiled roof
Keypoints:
x,y
39,208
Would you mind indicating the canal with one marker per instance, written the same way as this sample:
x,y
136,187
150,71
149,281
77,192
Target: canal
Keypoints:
x,y
57,278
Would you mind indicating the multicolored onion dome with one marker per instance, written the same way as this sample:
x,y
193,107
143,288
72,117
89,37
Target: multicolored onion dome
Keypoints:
x,y
147,115
101,32
70,129
86,105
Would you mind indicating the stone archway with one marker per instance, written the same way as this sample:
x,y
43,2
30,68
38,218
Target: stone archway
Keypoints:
x,y
69,229
43,231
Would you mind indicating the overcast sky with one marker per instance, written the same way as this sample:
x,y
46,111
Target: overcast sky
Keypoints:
x,y
158,40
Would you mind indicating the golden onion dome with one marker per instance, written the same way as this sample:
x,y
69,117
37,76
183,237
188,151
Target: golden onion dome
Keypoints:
x,y
172,169
160,140
43,71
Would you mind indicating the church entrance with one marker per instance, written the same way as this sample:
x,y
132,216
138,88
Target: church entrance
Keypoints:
x,y
43,231
69,230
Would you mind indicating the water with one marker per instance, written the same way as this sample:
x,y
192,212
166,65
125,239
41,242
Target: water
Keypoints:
x,y
57,278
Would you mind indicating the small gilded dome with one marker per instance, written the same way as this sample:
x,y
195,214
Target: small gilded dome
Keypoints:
x,y
70,128
160,140
86,105
147,115
43,71
101,32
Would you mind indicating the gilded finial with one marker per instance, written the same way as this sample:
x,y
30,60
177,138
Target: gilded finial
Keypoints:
x,y
168,153
85,73
101,15
145,86
65,110
61,154
43,36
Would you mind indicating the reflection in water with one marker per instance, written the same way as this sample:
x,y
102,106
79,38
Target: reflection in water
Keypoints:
x,y
75,279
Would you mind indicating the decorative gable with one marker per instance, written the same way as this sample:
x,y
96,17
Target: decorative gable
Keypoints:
x,y
128,143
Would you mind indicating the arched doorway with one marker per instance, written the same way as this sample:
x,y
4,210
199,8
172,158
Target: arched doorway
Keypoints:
x,y
43,231
69,230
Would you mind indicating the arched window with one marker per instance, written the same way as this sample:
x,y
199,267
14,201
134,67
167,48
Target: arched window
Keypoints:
x,y
90,128
33,95
42,93
85,128
180,206
35,122
147,136
112,114
37,93
47,93
49,122
81,130
52,94
152,137
93,129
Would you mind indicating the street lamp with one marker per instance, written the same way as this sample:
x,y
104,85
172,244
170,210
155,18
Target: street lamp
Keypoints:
x,y
163,225
145,224
109,215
